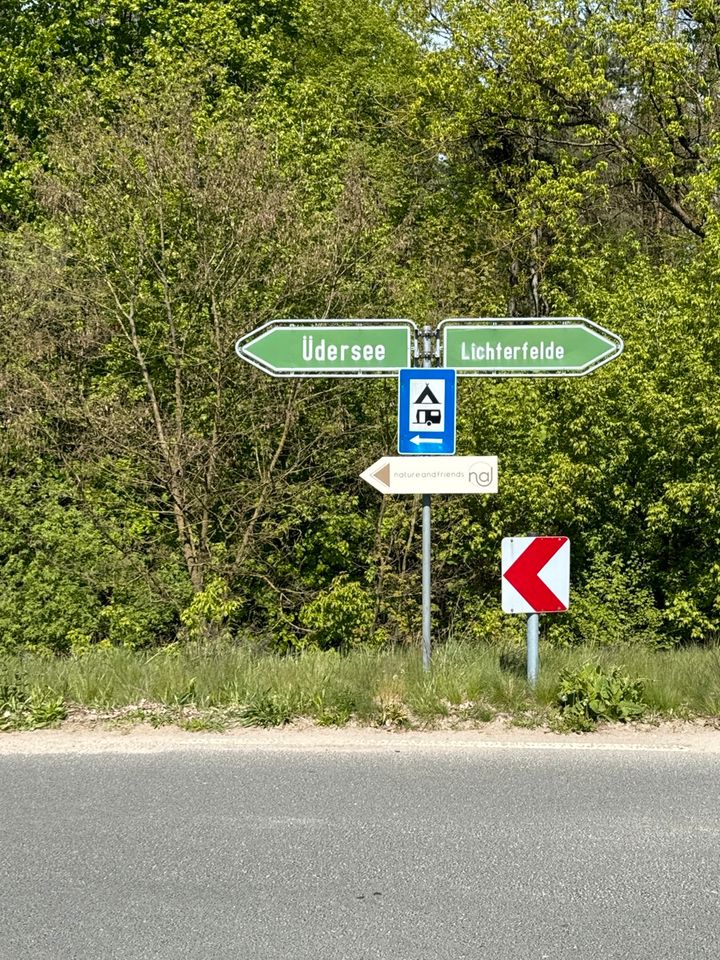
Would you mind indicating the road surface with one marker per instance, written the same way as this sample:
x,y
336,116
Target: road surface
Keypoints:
x,y
215,848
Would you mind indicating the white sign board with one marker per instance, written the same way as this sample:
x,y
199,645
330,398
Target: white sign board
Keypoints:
x,y
433,475
535,574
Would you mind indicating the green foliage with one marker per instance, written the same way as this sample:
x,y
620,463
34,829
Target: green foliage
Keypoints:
x,y
590,694
340,617
426,700
229,684
206,618
53,54
613,606
267,710
65,581
175,173
332,708
81,645
23,708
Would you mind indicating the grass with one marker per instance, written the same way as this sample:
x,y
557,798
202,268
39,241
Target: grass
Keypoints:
x,y
210,688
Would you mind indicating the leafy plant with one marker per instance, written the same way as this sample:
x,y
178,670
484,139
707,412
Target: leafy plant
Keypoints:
x,y
28,709
267,710
187,694
590,694
341,616
478,711
207,615
390,713
332,707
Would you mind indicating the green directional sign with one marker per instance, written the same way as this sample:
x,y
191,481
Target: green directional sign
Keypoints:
x,y
332,348
525,347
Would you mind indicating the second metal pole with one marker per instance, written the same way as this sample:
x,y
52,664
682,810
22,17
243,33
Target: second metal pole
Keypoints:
x,y
426,580
533,647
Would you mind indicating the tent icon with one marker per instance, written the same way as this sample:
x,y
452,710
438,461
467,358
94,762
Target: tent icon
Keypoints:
x,y
427,396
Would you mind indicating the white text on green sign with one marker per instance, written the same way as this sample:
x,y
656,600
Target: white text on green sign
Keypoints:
x,y
568,346
332,348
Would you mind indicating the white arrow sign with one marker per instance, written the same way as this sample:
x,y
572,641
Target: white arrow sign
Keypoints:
x,y
535,574
433,475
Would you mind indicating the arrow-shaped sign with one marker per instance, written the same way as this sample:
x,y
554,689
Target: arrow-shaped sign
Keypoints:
x,y
329,348
527,346
433,475
535,574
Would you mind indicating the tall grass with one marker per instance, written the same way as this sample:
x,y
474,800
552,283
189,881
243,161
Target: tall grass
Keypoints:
x,y
465,682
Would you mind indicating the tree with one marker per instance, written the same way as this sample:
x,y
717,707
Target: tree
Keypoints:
x,y
56,53
574,121
166,236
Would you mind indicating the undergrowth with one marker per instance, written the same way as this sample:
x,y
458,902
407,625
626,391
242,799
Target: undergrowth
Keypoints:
x,y
590,694
28,708
214,687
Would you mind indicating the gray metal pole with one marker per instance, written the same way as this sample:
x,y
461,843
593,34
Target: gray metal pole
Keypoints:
x,y
426,581
533,647
426,568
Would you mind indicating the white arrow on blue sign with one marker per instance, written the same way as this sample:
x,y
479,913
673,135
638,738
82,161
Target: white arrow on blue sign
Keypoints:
x,y
426,411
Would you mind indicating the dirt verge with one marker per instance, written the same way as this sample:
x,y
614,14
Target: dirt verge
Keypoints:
x,y
102,737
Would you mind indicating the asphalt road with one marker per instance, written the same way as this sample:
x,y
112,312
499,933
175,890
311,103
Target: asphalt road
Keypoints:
x,y
496,853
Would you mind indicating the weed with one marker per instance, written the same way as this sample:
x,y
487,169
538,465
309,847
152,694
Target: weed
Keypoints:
x,y
332,717
267,710
187,695
154,714
23,708
514,660
426,703
591,694
466,683
477,710
390,713
202,723
331,708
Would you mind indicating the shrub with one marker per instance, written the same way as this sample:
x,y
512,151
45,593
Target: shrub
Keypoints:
x,y
267,710
339,617
28,709
612,606
62,579
207,615
590,694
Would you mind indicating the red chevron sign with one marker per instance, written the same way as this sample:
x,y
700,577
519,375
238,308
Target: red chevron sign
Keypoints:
x,y
535,574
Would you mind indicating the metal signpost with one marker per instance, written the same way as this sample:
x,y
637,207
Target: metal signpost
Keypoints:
x,y
468,347
535,580
426,531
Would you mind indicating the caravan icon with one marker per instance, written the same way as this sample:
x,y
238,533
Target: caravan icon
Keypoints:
x,y
428,415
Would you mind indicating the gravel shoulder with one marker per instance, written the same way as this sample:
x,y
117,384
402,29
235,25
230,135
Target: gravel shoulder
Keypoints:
x,y
83,738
